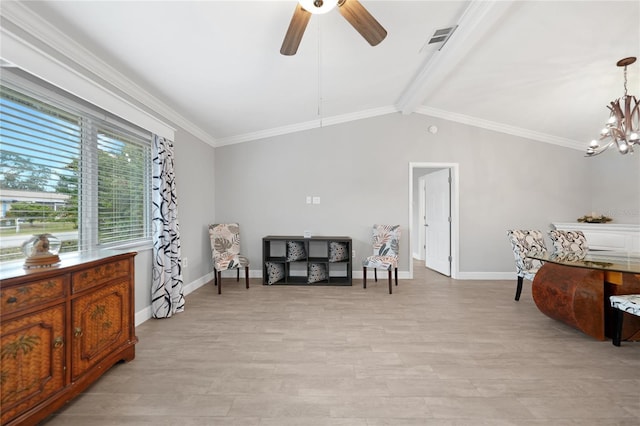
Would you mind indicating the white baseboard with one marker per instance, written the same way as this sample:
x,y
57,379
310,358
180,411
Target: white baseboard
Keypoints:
x,y
146,313
143,315
487,276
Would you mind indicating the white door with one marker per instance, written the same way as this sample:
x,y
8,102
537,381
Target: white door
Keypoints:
x,y
438,221
422,216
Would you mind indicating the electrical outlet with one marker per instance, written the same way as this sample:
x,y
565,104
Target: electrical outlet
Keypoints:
x,y
353,253
185,262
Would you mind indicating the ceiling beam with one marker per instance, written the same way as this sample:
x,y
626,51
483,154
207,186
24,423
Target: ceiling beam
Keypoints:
x,y
478,18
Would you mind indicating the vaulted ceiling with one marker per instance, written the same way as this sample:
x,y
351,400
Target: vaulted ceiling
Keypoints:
x,y
540,69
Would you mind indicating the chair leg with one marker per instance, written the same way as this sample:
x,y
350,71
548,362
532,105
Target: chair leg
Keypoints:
x,y
617,336
519,288
396,271
375,274
215,277
390,286
219,282
364,277
238,274
246,275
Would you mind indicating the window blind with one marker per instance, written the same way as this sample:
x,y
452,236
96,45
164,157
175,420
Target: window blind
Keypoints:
x,y
82,175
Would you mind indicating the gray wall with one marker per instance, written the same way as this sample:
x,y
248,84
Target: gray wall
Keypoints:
x,y
615,186
360,171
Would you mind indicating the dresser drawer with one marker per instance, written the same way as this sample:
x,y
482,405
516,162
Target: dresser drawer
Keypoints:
x,y
99,275
17,298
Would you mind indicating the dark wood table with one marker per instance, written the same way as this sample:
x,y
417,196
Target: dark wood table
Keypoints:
x,y
575,287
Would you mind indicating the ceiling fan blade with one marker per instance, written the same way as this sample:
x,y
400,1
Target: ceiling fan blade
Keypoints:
x,y
298,24
362,21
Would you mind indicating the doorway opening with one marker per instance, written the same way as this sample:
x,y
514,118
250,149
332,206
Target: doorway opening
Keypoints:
x,y
434,216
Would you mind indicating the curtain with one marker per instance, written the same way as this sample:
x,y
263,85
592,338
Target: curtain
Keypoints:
x,y
167,295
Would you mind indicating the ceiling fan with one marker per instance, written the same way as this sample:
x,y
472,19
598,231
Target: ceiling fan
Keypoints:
x,y
351,10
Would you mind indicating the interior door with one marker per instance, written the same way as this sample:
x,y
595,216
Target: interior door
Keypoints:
x,y
422,216
438,221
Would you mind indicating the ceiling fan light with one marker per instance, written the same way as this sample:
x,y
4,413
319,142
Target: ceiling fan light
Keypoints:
x,y
318,6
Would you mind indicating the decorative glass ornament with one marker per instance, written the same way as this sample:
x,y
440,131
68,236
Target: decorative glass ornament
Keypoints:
x,y
41,251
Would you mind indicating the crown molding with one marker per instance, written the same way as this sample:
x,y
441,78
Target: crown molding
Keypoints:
x,y
88,66
500,127
307,125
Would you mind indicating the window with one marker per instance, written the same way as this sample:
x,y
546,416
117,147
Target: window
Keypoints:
x,y
70,169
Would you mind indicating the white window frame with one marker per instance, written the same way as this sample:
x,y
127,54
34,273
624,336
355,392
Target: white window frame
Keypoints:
x,y
87,198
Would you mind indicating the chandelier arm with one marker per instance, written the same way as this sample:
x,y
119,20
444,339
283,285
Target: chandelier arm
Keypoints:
x,y
627,112
615,108
635,113
599,150
615,134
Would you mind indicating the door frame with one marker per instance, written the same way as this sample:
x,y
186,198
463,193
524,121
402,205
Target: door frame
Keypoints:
x,y
455,212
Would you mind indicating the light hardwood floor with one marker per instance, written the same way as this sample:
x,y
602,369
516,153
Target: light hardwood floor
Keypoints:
x,y
436,352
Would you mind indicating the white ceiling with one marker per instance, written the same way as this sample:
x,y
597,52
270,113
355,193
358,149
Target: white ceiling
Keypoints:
x,y
542,69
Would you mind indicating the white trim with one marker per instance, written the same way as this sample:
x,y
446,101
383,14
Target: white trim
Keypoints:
x,y
146,313
307,125
510,276
33,44
615,227
502,128
142,315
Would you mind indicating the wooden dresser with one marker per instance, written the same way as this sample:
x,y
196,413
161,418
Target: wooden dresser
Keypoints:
x,y
61,328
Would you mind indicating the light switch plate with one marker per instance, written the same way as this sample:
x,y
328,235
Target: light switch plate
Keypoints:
x,y
316,200
308,199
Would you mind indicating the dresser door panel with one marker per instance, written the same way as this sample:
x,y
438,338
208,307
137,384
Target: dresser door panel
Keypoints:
x,y
100,325
33,360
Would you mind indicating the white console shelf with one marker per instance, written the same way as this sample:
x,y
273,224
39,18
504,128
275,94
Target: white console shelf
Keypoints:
x,y
607,236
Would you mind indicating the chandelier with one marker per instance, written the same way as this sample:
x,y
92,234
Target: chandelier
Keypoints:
x,y
623,125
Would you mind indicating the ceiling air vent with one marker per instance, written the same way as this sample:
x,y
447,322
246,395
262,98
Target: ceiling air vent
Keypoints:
x,y
442,35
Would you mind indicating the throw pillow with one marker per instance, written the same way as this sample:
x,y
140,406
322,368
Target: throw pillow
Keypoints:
x,y
338,251
295,251
275,272
317,273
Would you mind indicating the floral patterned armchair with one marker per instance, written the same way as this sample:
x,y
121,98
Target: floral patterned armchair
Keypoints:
x,y
523,242
225,251
386,245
